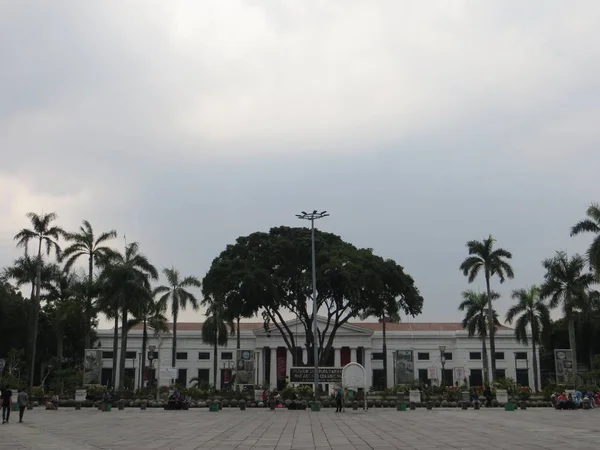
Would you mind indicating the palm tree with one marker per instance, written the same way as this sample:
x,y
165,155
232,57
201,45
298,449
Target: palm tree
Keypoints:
x,y
177,292
46,235
85,243
529,311
493,262
151,315
566,284
591,225
126,281
215,329
476,321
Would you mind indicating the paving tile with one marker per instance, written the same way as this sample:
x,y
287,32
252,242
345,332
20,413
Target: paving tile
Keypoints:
x,y
380,429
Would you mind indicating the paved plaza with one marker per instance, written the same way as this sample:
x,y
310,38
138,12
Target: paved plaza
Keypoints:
x,y
379,429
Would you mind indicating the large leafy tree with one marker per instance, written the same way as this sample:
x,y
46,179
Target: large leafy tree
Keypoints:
x,y
63,301
492,261
177,295
475,305
530,311
125,280
46,236
566,284
84,243
591,224
215,329
271,273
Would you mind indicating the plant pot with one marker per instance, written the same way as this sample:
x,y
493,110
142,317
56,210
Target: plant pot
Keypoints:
x,y
429,404
523,404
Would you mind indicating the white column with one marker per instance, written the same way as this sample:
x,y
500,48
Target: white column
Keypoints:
x,y
390,368
353,355
304,358
337,357
257,370
368,367
273,382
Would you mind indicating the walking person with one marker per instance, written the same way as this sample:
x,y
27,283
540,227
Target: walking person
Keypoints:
x,y
22,400
6,404
338,399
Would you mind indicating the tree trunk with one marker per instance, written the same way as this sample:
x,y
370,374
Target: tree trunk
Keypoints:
x,y
36,313
174,355
239,344
535,365
123,356
385,363
215,361
572,343
486,363
144,342
88,306
492,327
59,348
115,351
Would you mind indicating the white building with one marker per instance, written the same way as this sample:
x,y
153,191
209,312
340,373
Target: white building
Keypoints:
x,y
357,342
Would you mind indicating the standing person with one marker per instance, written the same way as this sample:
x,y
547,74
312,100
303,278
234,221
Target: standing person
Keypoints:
x,y
338,399
6,404
22,400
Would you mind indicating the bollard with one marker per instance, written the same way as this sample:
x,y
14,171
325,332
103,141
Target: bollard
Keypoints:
x,y
464,405
121,405
77,406
143,406
413,406
476,404
29,406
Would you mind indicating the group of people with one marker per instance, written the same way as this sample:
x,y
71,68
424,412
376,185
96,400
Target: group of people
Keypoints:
x,y
7,402
575,400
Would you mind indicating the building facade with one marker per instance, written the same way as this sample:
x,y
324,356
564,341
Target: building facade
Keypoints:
x,y
414,352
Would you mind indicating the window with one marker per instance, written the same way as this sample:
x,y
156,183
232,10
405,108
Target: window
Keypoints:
x,y
500,373
500,355
378,379
448,377
448,356
107,355
521,355
226,355
203,376
377,356
476,377
423,356
182,378
423,376
475,356
523,377
181,355
203,355
130,355
360,355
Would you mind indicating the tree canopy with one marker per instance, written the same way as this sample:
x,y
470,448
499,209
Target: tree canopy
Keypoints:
x,y
271,273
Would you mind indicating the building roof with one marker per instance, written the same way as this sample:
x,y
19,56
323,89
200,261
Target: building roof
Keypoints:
x,y
374,326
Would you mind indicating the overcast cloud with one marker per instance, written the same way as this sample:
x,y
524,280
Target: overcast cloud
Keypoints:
x,y
418,125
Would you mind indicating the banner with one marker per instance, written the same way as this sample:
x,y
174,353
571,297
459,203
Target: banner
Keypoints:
x,y
405,367
565,366
307,375
92,367
244,373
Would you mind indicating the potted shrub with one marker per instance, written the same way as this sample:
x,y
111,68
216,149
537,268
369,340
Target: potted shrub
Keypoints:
x,y
524,395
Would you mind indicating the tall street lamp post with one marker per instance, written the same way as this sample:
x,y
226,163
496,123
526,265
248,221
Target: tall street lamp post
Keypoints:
x,y
443,360
312,217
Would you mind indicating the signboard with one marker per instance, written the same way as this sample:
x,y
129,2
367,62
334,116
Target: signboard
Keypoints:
x,y
353,376
307,375
80,395
565,367
405,367
414,396
459,374
245,367
502,396
92,366
432,373
169,373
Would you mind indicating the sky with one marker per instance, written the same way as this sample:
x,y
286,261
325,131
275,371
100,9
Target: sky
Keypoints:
x,y
417,125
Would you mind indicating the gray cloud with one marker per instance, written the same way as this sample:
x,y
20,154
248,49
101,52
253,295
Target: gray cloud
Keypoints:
x,y
418,125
